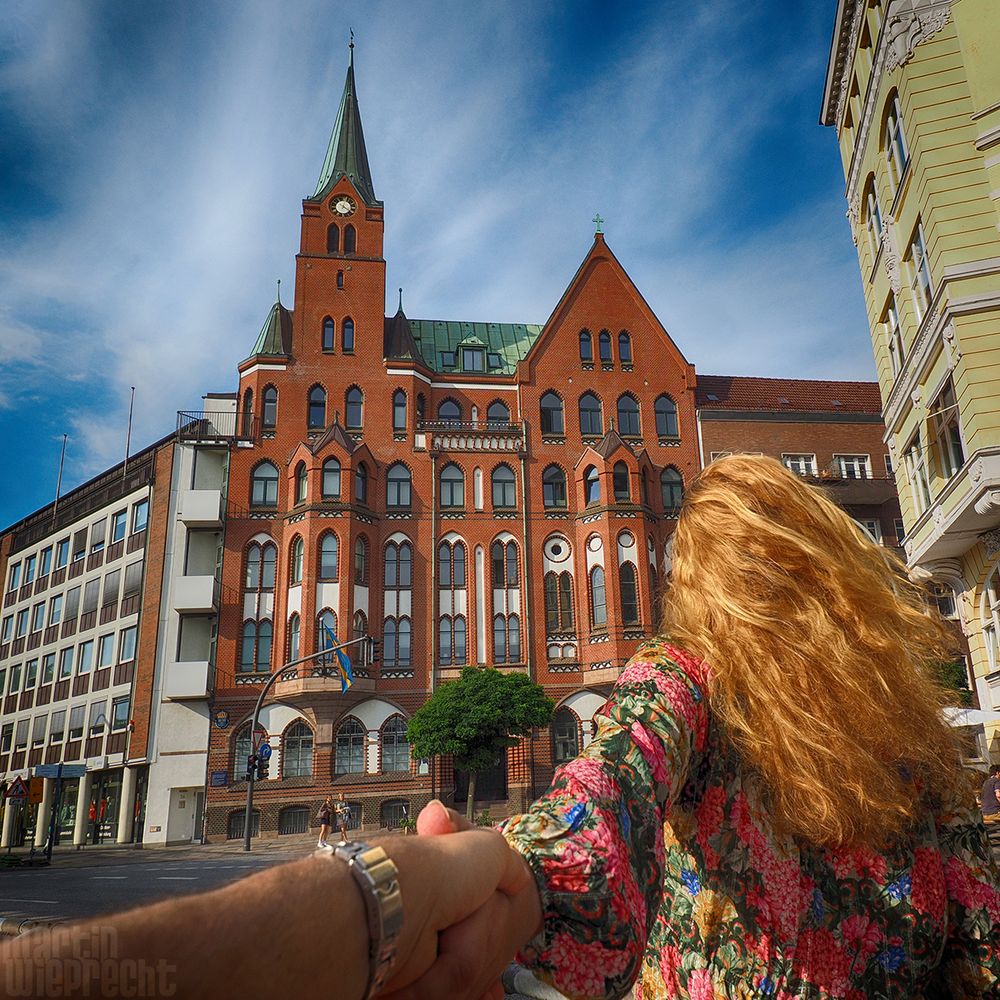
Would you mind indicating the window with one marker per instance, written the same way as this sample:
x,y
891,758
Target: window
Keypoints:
x,y
293,819
297,752
350,750
552,414
396,637
447,359
944,598
264,486
498,413
889,467
65,663
920,271
331,478
504,562
98,718
30,674
620,481
327,620
269,414
591,485
301,483
494,360
872,217
350,239
15,576
347,336
261,560
565,736
629,593
38,727
119,714
294,635
45,556
22,623
604,340
29,565
900,531
62,553
393,812
916,473
395,745
361,484
6,737
398,485
57,729
48,668
947,430
598,599
399,410
554,487
854,466
8,629
80,542
333,238
329,334
586,346
105,651
91,596
126,645
590,415
893,335
628,417
96,545
140,514
119,522
896,153
450,412
506,639
451,565
255,650
624,348
452,486
558,603
801,465
361,560
328,553
473,359
398,566
15,679
76,715
298,550
55,609
504,487
247,423
872,528
354,408
317,408
38,617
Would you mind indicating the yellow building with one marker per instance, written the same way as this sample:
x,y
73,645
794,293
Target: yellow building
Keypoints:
x,y
913,89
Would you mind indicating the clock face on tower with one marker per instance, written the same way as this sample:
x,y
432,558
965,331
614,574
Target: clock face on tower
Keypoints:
x,y
343,205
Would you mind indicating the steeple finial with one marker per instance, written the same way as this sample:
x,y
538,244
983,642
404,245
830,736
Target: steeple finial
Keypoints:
x,y
599,222
279,291
400,299
351,47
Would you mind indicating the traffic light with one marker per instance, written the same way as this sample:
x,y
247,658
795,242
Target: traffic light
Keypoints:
x,y
374,650
261,769
251,766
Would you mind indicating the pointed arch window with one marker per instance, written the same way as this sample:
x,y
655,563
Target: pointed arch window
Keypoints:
x,y
671,489
326,620
317,408
506,639
298,549
450,412
498,413
552,414
586,346
558,602
452,486
625,348
451,565
242,748
331,478
350,239
565,736
591,485
398,485
604,341
398,566
665,410
248,647
554,487
361,560
628,416
504,487
621,484
340,280
328,556
590,415
598,599
349,756
264,485
297,751
359,631
399,410
396,635
329,334
354,408
347,336
333,238
248,413
301,483
395,745
629,593
269,408
294,634
261,560
361,484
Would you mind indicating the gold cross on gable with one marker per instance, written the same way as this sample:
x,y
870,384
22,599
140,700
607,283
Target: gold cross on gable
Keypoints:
x,y
599,222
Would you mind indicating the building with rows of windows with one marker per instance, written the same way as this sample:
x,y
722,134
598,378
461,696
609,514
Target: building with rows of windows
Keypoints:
x,y
913,91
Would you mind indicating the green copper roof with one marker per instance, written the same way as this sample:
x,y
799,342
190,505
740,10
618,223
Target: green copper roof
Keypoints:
x,y
346,155
507,342
275,337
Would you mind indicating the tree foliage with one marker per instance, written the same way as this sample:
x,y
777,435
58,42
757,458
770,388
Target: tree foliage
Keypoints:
x,y
953,675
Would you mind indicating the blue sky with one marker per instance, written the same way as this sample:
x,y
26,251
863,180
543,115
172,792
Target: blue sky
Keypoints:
x,y
153,158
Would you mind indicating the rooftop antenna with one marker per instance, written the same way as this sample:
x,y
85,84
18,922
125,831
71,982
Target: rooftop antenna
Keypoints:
x,y
62,458
128,433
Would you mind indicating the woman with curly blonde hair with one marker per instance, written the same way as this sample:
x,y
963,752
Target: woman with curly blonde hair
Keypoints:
x,y
773,805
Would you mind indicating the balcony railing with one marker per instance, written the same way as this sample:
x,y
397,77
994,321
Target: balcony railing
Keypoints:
x,y
215,425
470,435
855,491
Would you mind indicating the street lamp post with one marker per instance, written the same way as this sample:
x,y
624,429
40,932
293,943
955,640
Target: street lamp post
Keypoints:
x,y
269,683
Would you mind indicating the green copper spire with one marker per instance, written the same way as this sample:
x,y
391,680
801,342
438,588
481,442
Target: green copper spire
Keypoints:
x,y
346,155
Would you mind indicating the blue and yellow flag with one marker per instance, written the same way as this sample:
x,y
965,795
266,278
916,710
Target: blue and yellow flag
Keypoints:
x,y
343,661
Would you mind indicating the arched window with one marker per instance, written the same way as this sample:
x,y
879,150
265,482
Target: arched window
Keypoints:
x,y
461,654
395,745
347,336
591,485
333,238
268,564
512,565
504,487
301,482
328,556
294,634
452,486
565,736
269,412
404,636
265,635
620,479
399,410
894,141
406,565
340,280
445,640
586,346
871,215
666,417
293,819
236,823
554,487
450,412
317,408
361,560
671,489
389,641
350,239
327,621
254,557
248,647
598,599
628,416
504,564
248,413
328,334
451,560
552,414
558,602
398,486
604,340
361,483
354,409
242,748
513,639
625,348
498,413
398,566
359,631
297,752
499,639
392,813
264,485
629,593
331,478
298,549
590,415
349,756
506,639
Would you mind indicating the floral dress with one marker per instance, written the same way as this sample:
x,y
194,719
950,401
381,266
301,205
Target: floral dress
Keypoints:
x,y
658,865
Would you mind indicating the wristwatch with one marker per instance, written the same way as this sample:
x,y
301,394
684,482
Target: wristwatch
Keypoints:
x,y
378,879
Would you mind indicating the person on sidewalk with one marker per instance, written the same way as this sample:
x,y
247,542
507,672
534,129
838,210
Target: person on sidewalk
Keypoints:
x,y
990,798
343,811
325,817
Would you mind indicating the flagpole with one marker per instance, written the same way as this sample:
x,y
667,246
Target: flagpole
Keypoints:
x,y
62,459
128,433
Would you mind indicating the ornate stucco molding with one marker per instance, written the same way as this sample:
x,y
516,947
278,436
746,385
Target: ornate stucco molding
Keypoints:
x,y
909,24
890,255
988,503
951,345
991,542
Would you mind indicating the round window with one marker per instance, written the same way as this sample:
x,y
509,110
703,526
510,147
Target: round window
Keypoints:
x,y
557,549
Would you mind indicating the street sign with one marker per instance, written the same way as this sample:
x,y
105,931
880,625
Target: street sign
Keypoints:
x,y
36,790
265,751
17,790
220,779
68,770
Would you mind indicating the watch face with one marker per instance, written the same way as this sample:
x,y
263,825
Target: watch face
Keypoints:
x,y
343,205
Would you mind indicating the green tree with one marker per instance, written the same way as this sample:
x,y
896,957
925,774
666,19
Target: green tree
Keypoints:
x,y
952,675
476,718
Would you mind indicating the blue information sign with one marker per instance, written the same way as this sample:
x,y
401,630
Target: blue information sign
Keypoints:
x,y
68,770
265,751
220,779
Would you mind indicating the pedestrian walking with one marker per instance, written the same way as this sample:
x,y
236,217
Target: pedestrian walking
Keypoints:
x,y
343,811
990,797
325,817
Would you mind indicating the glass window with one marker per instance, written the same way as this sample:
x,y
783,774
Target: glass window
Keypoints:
x,y
119,714
98,717
894,335
473,359
22,623
333,238
671,489
8,629
395,746
347,336
895,141
301,483
350,239
48,668
630,594
29,567
947,429
118,526
105,651
920,272
14,578
801,465
140,515
498,413
494,360
265,639
38,617
30,674
55,609
57,728
604,340
398,485
512,566
872,217
499,639
269,416
361,484
264,485
45,560
62,553
586,346
329,334
665,410
80,541
504,487
591,485
916,473
628,417
38,728
331,478
360,560
294,629
328,553
76,717
444,641
297,752
452,486
554,487
620,479
552,414
350,750
15,679
126,645
565,736
461,657
450,412
854,466
399,410
598,599
65,663
354,408
298,550
317,408
590,415
625,348
447,359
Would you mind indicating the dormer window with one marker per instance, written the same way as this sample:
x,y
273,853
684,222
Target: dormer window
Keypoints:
x,y
447,359
494,360
473,359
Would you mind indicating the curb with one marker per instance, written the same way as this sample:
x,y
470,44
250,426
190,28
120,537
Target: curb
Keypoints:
x,y
15,926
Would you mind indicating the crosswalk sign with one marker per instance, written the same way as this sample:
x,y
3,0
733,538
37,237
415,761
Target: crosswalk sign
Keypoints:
x,y
17,789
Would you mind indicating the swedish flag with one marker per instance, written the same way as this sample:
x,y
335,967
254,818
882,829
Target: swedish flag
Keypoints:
x,y
343,661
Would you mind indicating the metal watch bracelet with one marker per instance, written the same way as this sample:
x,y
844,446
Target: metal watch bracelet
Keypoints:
x,y
378,880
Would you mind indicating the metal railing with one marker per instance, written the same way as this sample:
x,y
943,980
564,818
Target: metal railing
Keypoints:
x,y
215,425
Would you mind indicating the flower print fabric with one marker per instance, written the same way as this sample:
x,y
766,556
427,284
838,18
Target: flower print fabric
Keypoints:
x,y
658,865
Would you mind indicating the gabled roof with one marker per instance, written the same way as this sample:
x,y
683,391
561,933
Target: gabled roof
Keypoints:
x,y
335,434
511,341
609,444
275,337
739,392
346,155
398,342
